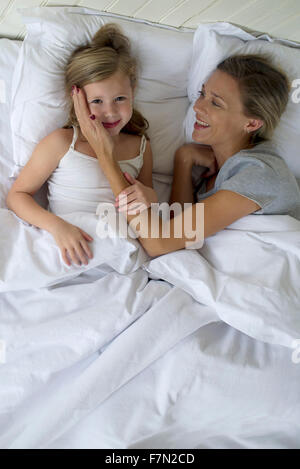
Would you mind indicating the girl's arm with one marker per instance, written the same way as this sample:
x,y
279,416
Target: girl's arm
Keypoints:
x,y
43,162
140,194
145,176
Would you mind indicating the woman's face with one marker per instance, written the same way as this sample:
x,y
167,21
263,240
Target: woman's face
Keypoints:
x,y
219,112
111,101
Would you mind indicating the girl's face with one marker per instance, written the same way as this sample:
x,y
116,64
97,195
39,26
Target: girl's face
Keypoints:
x,y
220,112
111,101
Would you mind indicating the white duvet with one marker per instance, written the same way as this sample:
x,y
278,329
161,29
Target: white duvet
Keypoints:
x,y
191,349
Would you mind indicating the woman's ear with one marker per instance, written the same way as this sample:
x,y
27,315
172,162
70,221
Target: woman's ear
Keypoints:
x,y
253,125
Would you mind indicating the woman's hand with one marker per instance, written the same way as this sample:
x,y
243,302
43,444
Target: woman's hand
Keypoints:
x,y
195,154
92,129
135,198
72,241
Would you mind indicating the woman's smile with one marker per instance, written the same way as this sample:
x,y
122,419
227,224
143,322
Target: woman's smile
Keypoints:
x,y
200,125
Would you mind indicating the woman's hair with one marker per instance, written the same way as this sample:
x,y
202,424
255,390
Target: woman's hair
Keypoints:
x,y
264,90
108,53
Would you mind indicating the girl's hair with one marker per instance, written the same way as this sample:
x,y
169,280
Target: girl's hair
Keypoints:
x,y
264,90
108,53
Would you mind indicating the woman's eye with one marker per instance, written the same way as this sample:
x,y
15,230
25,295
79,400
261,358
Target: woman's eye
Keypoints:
x,y
200,93
215,104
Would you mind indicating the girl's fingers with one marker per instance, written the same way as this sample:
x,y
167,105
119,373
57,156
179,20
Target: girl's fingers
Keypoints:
x,y
81,107
86,236
86,248
64,256
81,254
129,178
72,254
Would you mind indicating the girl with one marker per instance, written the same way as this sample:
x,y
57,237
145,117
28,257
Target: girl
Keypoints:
x,y
107,74
236,113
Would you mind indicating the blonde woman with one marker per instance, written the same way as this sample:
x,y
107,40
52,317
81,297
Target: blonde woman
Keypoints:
x,y
107,74
237,111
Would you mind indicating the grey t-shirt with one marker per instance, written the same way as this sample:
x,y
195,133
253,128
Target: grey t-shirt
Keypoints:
x,y
261,175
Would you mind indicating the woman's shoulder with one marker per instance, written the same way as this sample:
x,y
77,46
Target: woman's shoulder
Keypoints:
x,y
260,155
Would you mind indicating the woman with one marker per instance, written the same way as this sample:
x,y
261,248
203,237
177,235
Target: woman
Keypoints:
x,y
236,113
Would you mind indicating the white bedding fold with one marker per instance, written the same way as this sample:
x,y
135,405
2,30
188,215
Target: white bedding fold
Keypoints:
x,y
246,276
251,278
30,257
161,320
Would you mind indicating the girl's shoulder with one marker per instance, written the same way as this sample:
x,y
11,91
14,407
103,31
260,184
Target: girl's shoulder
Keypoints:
x,y
130,146
60,137
57,141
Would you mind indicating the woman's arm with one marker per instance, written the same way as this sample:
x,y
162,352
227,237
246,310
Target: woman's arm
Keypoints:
x,y
182,187
219,211
186,157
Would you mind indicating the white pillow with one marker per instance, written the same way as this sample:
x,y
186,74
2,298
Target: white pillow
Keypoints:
x,y
38,100
9,50
222,40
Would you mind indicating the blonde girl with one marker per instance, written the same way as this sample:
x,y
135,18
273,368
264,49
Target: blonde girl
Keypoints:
x,y
106,73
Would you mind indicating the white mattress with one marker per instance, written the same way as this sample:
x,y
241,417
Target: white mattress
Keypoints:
x,y
150,366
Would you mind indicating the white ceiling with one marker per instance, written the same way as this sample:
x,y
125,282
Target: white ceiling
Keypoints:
x,y
279,18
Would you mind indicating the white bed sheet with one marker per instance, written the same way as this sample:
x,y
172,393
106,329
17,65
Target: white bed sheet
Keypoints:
x,y
148,367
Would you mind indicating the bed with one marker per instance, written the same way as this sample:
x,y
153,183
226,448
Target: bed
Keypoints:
x,y
196,349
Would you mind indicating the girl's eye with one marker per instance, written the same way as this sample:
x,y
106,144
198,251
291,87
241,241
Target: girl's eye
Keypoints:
x,y
96,101
120,98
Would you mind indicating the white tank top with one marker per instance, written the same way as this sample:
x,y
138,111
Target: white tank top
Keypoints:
x,y
79,184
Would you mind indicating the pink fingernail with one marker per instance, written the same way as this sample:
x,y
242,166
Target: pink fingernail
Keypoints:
x,y
93,117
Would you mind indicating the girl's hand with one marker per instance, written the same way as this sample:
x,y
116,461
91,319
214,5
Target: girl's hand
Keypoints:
x,y
199,155
92,129
136,198
72,241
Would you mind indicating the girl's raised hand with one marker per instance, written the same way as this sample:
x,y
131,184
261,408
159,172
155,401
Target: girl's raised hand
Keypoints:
x,y
135,198
91,128
72,242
